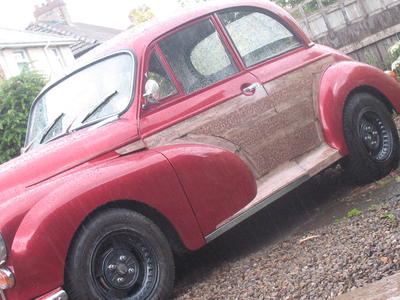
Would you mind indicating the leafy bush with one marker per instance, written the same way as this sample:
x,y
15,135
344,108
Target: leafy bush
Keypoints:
x,y
394,52
16,96
312,6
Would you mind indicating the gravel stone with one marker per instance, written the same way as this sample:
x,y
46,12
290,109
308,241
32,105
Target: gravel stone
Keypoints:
x,y
340,257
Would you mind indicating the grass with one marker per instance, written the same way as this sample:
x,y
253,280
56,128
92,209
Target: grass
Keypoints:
x,y
353,213
389,216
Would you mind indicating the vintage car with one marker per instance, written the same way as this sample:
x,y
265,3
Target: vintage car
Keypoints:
x,y
169,135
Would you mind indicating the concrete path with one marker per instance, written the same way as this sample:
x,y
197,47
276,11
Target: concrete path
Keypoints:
x,y
385,289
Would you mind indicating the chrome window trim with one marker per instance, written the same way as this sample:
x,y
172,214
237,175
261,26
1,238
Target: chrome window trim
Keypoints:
x,y
81,68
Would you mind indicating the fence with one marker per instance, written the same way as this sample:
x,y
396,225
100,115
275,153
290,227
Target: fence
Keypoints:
x,y
363,29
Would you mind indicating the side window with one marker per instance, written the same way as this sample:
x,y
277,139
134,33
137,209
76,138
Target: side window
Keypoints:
x,y
156,71
197,56
257,36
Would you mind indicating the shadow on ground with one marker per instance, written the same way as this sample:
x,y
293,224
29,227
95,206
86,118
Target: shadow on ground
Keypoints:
x,y
320,201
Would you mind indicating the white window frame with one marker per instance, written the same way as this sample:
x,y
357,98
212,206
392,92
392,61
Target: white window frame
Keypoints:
x,y
22,60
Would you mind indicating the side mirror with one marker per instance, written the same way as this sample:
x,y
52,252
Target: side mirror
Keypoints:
x,y
152,93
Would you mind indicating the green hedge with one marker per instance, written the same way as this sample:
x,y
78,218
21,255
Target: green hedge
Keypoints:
x,y
313,5
16,96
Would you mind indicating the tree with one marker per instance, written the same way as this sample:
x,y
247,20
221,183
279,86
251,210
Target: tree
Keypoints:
x,y
141,14
16,96
185,3
312,5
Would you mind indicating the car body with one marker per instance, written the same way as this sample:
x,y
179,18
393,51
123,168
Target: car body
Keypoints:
x,y
192,124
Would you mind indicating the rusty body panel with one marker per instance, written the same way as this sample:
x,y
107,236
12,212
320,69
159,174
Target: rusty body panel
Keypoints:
x,y
265,130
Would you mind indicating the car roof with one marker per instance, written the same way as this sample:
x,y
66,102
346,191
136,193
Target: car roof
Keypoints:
x,y
140,36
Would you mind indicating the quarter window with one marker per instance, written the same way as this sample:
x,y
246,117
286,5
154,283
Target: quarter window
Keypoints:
x,y
258,36
157,72
197,56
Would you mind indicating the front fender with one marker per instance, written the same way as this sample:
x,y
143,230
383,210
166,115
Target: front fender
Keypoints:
x,y
40,245
337,83
216,181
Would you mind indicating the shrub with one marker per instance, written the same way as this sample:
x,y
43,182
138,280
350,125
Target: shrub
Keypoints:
x,y
16,96
394,52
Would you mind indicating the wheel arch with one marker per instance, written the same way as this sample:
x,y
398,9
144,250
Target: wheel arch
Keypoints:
x,y
375,92
162,222
44,235
341,81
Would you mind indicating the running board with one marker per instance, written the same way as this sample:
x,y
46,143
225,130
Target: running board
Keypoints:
x,y
279,182
254,209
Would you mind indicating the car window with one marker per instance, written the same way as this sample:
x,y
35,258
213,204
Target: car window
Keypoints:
x,y
258,36
197,56
92,94
156,71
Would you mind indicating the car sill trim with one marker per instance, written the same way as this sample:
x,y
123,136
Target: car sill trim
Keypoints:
x,y
60,295
254,209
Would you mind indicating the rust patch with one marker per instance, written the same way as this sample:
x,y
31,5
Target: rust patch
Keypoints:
x,y
264,130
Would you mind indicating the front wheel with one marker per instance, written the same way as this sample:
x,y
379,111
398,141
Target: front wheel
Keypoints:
x,y
371,137
119,254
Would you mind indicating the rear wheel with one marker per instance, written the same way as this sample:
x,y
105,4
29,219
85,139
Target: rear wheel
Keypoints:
x,y
119,254
371,137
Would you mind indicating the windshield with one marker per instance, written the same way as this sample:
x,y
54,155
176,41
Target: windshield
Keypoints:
x,y
94,93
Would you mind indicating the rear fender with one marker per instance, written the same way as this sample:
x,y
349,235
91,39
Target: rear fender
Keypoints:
x,y
337,84
40,245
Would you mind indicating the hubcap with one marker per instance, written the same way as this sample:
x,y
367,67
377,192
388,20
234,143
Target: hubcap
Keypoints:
x,y
375,136
120,269
124,266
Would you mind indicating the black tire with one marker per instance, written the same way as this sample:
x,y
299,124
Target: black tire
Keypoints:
x,y
119,254
371,137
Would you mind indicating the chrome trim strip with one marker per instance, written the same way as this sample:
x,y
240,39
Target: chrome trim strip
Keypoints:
x,y
60,295
252,210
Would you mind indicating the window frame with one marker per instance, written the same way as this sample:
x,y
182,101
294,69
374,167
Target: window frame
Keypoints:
x,y
116,116
155,49
181,95
264,12
57,56
25,60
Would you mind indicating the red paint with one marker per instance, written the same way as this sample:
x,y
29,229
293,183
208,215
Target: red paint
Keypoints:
x,y
228,181
46,193
337,84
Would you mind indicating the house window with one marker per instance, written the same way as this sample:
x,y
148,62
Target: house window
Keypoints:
x,y
57,58
22,60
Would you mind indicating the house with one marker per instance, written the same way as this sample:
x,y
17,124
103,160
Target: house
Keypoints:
x,y
53,17
20,50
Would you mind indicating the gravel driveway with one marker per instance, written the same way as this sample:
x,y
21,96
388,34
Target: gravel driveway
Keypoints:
x,y
274,255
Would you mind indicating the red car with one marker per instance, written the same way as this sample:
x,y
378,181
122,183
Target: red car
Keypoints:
x,y
171,134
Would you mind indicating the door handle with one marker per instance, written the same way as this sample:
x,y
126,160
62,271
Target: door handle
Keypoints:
x,y
250,89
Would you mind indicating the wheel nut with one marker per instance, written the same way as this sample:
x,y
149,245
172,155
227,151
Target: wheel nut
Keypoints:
x,y
112,267
122,258
131,270
120,280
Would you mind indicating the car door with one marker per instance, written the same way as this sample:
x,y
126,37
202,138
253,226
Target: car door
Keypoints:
x,y
212,99
204,97
289,72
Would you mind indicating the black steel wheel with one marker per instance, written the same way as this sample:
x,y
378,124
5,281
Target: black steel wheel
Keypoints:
x,y
371,137
119,254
